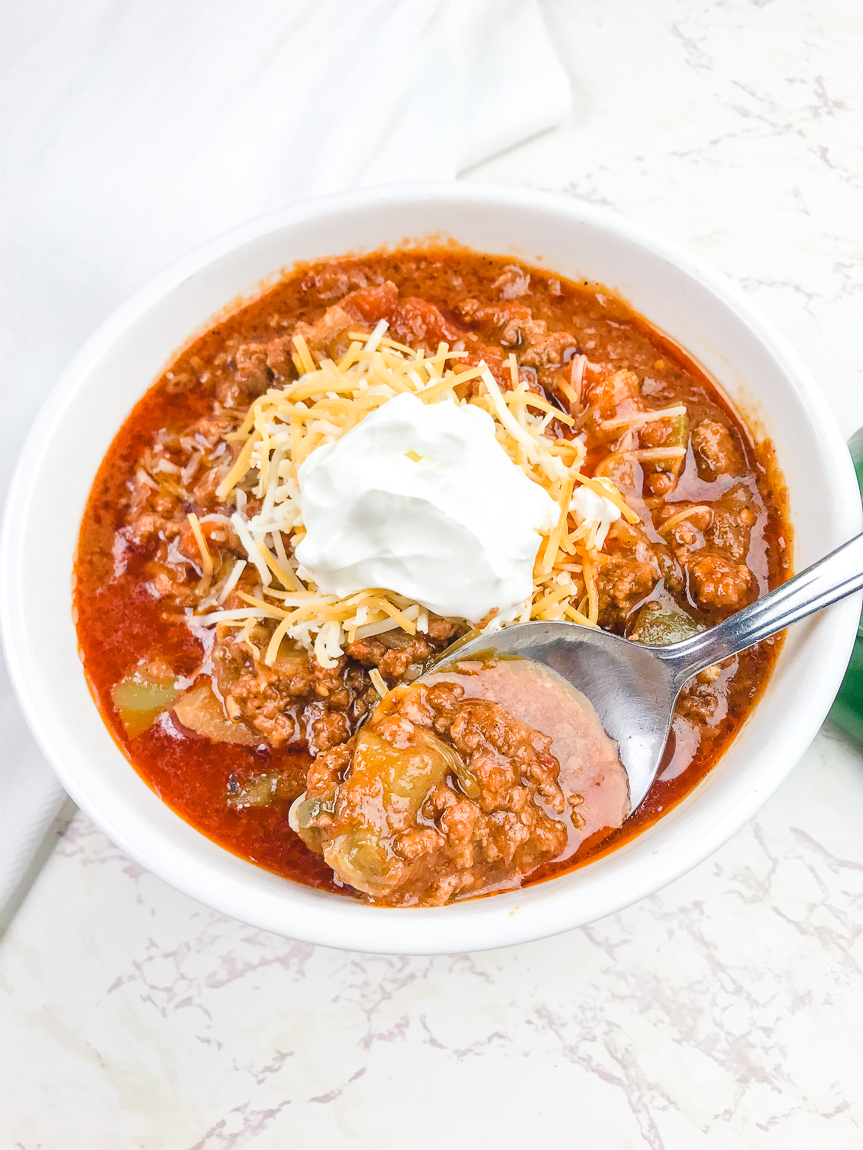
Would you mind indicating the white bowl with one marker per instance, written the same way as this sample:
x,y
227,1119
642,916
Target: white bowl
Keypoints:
x,y
698,307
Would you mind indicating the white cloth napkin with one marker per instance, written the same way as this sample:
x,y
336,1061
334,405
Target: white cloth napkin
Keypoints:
x,y
136,129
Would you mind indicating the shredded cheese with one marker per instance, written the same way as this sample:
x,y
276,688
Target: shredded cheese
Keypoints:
x,y
206,557
233,579
241,466
667,526
283,426
589,570
643,417
608,490
552,547
656,454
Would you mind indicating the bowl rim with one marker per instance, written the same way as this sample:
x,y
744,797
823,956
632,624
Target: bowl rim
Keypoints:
x,y
480,923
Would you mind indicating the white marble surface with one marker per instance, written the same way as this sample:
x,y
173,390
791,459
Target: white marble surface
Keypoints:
x,y
726,1011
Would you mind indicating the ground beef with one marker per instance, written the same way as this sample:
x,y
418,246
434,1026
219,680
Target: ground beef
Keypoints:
x,y
419,323
716,584
251,378
297,700
622,583
629,570
715,450
541,351
328,336
391,660
711,544
394,652
334,280
467,798
609,397
731,525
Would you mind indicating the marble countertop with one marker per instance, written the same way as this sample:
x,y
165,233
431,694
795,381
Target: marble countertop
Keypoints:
x,y
725,1011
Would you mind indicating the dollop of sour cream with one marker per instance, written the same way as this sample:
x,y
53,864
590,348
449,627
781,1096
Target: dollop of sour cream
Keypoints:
x,y
422,500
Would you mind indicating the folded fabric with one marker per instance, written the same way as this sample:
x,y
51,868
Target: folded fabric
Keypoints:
x,y
137,130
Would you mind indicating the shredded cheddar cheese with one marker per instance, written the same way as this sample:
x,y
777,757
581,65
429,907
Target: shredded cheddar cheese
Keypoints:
x,y
206,557
694,509
283,426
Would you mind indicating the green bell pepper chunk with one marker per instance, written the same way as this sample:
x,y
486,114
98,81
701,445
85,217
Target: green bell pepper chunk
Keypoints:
x,y
663,627
140,700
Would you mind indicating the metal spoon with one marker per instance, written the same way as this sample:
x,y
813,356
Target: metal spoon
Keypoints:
x,y
634,686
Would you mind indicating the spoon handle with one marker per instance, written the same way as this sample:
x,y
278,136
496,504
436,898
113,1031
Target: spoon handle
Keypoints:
x,y
832,578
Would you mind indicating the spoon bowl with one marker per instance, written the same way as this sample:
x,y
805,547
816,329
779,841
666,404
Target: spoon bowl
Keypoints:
x,y
633,687
631,690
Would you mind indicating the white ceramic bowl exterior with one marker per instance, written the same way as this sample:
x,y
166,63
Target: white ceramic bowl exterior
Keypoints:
x,y
695,305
